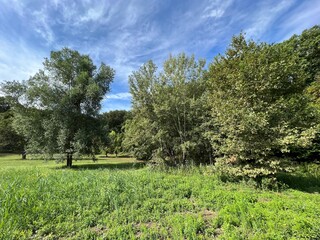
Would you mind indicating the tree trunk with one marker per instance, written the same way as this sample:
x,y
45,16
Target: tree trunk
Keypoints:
x,y
24,155
69,160
184,159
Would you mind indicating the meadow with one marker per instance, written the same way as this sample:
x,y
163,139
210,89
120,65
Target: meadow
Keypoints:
x,y
120,198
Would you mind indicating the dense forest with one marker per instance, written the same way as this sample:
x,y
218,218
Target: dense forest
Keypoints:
x,y
253,111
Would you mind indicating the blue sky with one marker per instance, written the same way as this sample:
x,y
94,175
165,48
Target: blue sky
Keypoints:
x,y
124,34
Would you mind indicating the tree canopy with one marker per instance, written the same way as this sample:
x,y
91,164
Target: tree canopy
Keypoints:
x,y
168,111
57,108
253,111
10,140
258,102
115,120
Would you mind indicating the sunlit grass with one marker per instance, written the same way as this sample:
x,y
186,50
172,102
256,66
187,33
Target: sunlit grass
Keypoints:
x,y
15,160
118,198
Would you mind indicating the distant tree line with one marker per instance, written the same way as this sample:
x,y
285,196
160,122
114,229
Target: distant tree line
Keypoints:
x,y
252,112
113,122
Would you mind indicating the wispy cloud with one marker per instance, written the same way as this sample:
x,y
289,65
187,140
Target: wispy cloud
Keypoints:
x,y
93,14
42,26
116,101
304,16
265,16
115,104
18,61
216,9
125,34
121,95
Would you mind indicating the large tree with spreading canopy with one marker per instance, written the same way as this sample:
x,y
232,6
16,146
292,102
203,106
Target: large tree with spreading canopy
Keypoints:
x,y
56,109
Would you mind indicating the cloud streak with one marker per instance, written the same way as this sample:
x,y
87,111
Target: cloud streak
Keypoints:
x,y
121,96
126,33
266,16
18,61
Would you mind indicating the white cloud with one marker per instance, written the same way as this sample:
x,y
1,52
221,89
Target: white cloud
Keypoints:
x,y
120,96
18,61
93,14
303,17
42,25
217,9
115,104
125,34
265,16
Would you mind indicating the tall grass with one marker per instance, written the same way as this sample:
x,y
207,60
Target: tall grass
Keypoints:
x,y
101,203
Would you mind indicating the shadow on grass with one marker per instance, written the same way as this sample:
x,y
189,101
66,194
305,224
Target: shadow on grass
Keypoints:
x,y
119,156
10,154
94,166
305,183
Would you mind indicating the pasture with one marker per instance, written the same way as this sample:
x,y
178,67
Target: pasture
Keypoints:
x,y
120,198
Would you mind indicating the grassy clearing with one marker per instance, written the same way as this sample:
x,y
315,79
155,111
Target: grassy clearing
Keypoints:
x,y
15,161
117,199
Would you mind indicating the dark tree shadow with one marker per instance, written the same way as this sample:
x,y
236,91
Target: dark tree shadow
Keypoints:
x,y
119,156
9,154
305,183
96,166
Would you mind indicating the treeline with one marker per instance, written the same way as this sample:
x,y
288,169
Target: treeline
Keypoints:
x,y
252,112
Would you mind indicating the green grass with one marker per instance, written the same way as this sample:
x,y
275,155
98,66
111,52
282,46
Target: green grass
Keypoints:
x,y
118,198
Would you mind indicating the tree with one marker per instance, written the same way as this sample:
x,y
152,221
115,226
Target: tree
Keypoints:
x,y
115,145
307,47
10,140
179,112
168,111
57,108
139,137
113,124
257,100
4,105
114,120
140,130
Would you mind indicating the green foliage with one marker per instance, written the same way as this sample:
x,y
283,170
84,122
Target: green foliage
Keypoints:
x,y
113,127
170,105
140,130
307,47
10,140
115,145
108,203
254,111
115,119
56,109
4,105
139,138
256,94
